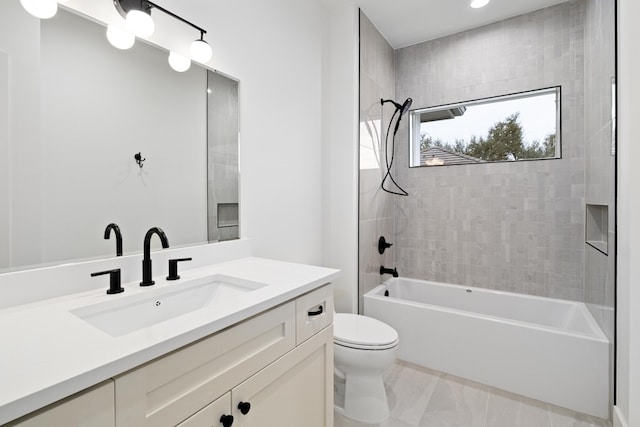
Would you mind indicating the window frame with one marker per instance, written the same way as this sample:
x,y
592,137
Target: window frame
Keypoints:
x,y
414,125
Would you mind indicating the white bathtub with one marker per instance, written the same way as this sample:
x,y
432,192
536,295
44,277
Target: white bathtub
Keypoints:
x,y
547,349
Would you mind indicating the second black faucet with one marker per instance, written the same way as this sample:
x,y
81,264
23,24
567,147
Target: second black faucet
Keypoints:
x,y
146,260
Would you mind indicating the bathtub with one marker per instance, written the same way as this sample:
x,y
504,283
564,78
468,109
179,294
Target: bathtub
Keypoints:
x,y
546,349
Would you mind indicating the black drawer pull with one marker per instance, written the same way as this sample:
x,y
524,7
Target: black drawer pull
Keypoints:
x,y
244,407
226,420
318,312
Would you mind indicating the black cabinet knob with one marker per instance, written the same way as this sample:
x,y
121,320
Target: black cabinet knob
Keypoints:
x,y
226,420
244,407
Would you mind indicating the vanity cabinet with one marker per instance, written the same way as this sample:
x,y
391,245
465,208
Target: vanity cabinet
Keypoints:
x,y
272,369
286,379
89,408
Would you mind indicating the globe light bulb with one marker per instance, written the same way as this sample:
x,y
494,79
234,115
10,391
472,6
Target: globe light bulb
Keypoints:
x,y
139,23
477,4
200,51
120,38
43,9
178,62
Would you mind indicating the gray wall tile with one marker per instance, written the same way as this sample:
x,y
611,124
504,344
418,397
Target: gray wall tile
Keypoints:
x,y
507,226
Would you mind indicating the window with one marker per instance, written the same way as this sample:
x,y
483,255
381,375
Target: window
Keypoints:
x,y
520,126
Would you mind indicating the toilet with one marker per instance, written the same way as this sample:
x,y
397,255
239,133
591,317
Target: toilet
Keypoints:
x,y
364,349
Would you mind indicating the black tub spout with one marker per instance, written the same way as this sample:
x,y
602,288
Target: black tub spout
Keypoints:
x,y
393,271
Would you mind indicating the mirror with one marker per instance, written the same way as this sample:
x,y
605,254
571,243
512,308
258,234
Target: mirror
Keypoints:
x,y
514,127
74,113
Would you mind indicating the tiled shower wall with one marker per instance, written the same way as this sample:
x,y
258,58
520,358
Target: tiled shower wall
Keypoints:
x,y
507,226
600,163
377,80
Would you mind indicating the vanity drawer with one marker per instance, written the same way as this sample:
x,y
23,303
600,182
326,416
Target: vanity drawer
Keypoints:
x,y
168,390
314,312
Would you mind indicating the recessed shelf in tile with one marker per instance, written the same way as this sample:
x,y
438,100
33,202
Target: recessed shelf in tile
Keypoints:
x,y
597,222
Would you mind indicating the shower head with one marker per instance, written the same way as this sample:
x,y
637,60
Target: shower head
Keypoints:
x,y
405,106
402,108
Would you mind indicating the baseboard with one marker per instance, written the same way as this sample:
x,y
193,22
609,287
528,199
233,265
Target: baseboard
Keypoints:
x,y
618,418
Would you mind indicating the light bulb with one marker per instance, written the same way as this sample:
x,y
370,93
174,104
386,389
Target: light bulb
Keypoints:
x,y
178,62
43,9
139,23
200,51
120,38
477,4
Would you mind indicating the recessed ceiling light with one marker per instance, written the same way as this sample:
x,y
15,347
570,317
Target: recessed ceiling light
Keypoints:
x,y
477,4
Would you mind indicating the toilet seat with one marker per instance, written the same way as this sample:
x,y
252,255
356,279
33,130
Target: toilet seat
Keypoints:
x,y
362,332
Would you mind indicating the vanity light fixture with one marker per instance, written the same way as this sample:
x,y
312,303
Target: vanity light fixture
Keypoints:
x,y
477,4
43,9
200,50
137,14
178,62
120,38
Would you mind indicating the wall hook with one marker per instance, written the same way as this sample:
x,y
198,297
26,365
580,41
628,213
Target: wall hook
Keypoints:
x,y
139,159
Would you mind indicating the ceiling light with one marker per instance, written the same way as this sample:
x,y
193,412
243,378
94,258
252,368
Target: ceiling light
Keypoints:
x,y
140,23
477,4
120,38
200,50
43,9
178,62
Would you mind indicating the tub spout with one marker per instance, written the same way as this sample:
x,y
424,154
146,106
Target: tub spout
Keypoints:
x,y
393,271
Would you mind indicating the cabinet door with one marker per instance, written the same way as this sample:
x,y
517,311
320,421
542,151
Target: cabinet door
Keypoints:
x,y
210,415
90,408
168,390
294,391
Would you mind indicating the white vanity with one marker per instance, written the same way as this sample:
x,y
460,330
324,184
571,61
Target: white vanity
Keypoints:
x,y
262,355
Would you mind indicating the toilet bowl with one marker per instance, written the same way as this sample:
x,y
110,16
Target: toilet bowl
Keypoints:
x,y
364,349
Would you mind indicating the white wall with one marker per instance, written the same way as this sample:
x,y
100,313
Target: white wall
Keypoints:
x,y
627,411
340,158
275,49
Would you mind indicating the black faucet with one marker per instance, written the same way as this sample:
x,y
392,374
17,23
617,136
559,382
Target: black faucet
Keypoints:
x,y
393,271
107,233
146,261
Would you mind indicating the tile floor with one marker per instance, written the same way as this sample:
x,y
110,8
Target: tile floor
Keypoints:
x,y
420,397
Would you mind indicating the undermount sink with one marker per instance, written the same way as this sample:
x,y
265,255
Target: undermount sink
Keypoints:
x,y
139,311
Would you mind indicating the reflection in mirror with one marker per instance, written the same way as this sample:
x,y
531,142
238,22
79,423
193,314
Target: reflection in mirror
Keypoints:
x,y
222,194
77,111
521,126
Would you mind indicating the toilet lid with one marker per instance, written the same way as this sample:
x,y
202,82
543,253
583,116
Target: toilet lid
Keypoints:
x,y
353,330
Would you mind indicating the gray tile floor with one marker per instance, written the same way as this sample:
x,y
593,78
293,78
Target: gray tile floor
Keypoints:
x,y
420,397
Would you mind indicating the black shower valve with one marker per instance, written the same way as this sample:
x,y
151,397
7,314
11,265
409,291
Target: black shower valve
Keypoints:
x,y
382,245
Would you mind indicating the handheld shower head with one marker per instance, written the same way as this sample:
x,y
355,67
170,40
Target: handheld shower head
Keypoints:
x,y
404,108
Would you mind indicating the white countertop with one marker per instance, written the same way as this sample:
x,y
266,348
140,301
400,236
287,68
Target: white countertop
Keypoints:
x,y
47,353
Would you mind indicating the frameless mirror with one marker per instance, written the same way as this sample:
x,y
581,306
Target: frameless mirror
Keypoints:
x,y
74,114
520,126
